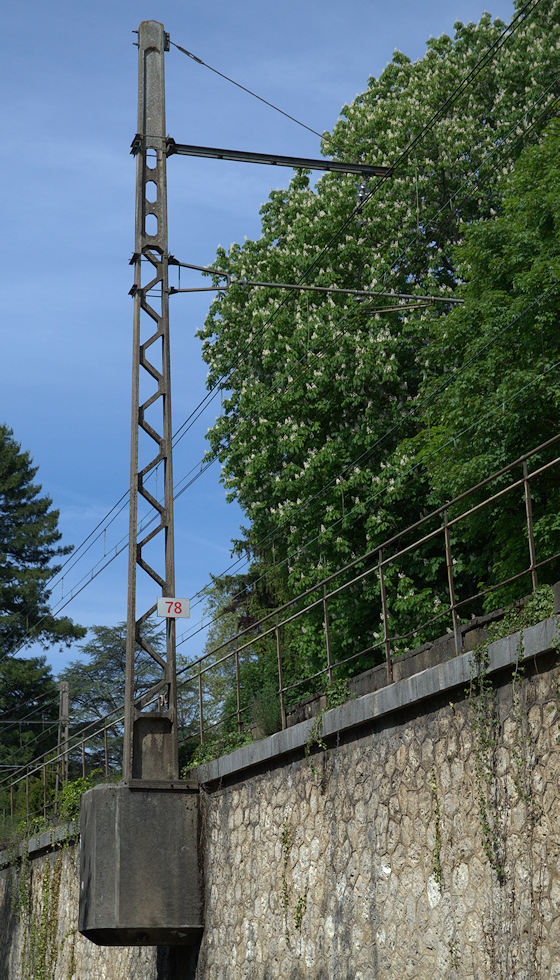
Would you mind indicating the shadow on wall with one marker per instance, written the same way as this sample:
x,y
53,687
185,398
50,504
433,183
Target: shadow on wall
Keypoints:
x,y
7,918
175,962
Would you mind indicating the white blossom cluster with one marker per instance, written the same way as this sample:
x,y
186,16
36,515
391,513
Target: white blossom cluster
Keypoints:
x,y
318,426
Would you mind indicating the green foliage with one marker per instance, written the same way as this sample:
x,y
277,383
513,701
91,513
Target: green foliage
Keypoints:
x,y
300,909
71,795
39,923
538,606
286,841
215,747
484,728
232,607
436,854
96,681
337,429
29,539
337,693
27,687
503,348
524,613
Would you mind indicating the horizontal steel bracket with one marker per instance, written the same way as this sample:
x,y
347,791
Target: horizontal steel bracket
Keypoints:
x,y
272,159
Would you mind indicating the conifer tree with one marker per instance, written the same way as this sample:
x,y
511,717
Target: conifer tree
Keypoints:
x,y
29,537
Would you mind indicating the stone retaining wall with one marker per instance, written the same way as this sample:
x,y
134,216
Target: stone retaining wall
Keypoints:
x,y
418,837
372,859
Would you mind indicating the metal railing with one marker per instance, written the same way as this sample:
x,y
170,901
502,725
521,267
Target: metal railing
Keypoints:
x,y
379,560
91,745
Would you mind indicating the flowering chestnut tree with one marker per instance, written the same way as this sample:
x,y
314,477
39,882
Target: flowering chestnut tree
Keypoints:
x,y
322,395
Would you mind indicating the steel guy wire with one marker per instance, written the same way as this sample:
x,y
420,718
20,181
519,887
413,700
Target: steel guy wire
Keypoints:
x,y
459,89
18,721
40,697
103,524
322,136
54,581
274,533
478,67
214,392
402,480
76,556
451,379
38,737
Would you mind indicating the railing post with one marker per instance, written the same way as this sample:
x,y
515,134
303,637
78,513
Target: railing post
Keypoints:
x,y
327,633
63,733
44,790
83,760
238,689
386,640
27,795
280,674
452,603
530,535
106,748
201,716
12,801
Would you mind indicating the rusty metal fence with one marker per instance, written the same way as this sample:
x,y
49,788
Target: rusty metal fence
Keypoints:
x,y
91,746
378,560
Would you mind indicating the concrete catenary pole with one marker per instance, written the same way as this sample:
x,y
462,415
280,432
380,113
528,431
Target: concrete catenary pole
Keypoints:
x,y
139,863
150,738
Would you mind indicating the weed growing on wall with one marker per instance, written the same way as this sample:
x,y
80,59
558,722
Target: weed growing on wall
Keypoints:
x,y
436,854
301,906
40,951
21,894
522,615
286,840
286,844
484,728
521,740
337,693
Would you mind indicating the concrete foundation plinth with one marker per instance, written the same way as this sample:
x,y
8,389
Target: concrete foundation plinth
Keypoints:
x,y
139,870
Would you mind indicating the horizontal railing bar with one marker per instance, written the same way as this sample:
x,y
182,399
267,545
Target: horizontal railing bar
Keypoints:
x,y
305,680
373,551
36,764
69,746
501,493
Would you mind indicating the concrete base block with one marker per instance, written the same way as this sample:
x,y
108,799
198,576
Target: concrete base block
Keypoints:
x,y
139,870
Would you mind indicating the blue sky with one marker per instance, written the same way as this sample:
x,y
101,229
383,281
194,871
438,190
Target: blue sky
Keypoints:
x,y
69,86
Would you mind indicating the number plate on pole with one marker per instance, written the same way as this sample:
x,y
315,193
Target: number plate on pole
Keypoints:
x,y
174,608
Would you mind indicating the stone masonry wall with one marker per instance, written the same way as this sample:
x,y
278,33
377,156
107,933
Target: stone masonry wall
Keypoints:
x,y
39,938
423,844
369,860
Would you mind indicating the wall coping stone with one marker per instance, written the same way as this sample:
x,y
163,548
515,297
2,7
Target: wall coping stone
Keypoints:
x,y
457,671
47,839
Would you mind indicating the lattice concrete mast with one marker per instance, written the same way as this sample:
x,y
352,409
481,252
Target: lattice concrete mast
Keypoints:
x,y
150,742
